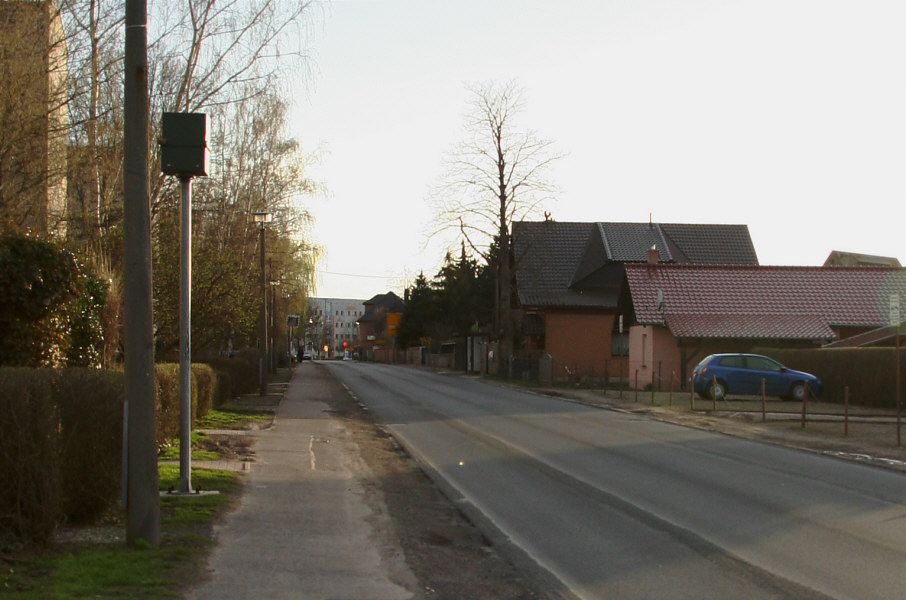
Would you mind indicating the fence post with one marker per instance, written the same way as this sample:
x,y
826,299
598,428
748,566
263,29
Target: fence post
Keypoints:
x,y
804,401
846,411
636,385
670,396
764,416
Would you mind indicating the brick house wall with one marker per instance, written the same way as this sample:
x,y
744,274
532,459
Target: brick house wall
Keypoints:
x,y
580,341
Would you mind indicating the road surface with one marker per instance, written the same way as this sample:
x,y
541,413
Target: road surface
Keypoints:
x,y
620,506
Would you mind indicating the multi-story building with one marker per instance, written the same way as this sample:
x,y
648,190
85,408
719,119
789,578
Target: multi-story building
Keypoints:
x,y
332,323
33,117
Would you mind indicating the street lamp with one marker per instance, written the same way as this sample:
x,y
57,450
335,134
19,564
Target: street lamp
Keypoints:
x,y
262,218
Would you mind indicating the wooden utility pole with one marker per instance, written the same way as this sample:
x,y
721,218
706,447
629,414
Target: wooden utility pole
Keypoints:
x,y
142,495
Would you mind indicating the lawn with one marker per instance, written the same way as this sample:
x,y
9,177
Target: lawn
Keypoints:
x,y
98,563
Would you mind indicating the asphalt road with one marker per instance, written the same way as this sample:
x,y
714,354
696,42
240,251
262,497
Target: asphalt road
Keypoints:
x,y
615,505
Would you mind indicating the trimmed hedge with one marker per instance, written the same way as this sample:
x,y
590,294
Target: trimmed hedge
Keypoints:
x,y
61,435
240,375
29,456
91,438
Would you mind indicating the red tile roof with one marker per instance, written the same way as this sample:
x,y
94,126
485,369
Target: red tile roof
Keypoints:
x,y
761,302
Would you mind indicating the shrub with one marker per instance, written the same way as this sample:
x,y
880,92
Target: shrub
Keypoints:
x,y
29,456
51,306
242,370
166,377
91,438
204,386
61,436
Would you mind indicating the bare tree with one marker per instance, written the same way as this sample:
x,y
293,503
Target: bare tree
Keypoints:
x,y
95,47
494,177
228,58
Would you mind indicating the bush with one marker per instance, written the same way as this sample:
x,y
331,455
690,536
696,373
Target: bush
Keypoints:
x,y
91,440
204,388
50,306
242,371
29,456
166,379
61,434
223,389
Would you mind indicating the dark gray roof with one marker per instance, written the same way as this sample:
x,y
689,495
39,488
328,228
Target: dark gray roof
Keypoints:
x,y
580,264
680,243
382,304
547,256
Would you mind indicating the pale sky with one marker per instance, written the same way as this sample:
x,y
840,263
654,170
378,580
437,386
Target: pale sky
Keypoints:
x,y
788,116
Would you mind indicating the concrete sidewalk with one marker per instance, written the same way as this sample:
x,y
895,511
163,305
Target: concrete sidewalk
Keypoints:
x,y
307,528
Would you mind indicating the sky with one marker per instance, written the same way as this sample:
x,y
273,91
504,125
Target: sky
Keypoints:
x,y
788,116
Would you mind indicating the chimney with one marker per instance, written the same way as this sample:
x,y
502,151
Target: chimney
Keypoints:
x,y
652,255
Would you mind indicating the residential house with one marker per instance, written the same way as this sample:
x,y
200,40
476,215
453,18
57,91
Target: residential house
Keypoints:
x,y
854,259
680,312
378,327
570,282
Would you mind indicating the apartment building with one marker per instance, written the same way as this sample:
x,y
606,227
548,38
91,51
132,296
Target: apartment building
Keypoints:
x,y
33,117
332,323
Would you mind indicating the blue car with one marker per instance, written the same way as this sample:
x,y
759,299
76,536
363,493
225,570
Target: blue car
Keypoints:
x,y
721,374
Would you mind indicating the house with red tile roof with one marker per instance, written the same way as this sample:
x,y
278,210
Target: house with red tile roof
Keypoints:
x,y
681,312
570,282
648,300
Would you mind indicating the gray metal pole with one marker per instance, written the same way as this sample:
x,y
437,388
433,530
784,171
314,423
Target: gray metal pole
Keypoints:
x,y
143,497
262,326
185,338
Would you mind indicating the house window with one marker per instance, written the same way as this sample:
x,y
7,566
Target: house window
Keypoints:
x,y
644,349
619,344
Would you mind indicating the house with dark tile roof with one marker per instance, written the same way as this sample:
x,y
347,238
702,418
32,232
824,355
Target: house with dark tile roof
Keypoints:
x,y
378,327
854,259
683,312
570,282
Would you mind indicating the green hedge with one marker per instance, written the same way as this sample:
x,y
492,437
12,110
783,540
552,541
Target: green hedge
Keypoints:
x,y
61,441
868,372
29,457
91,427
239,375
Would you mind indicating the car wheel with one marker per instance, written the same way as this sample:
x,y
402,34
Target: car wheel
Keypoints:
x,y
797,392
717,390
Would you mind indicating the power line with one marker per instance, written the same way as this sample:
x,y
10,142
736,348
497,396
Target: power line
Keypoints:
x,y
356,275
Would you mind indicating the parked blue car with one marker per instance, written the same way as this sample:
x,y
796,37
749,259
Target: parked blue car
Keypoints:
x,y
721,374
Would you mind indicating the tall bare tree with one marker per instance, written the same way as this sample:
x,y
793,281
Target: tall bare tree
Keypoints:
x,y
95,42
494,177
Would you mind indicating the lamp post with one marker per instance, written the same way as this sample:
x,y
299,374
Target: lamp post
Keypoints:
x,y
262,217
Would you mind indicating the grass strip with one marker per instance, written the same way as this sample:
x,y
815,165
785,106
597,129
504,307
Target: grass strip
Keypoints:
x,y
109,569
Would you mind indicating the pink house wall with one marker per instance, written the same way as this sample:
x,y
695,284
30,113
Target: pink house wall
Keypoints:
x,y
653,356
